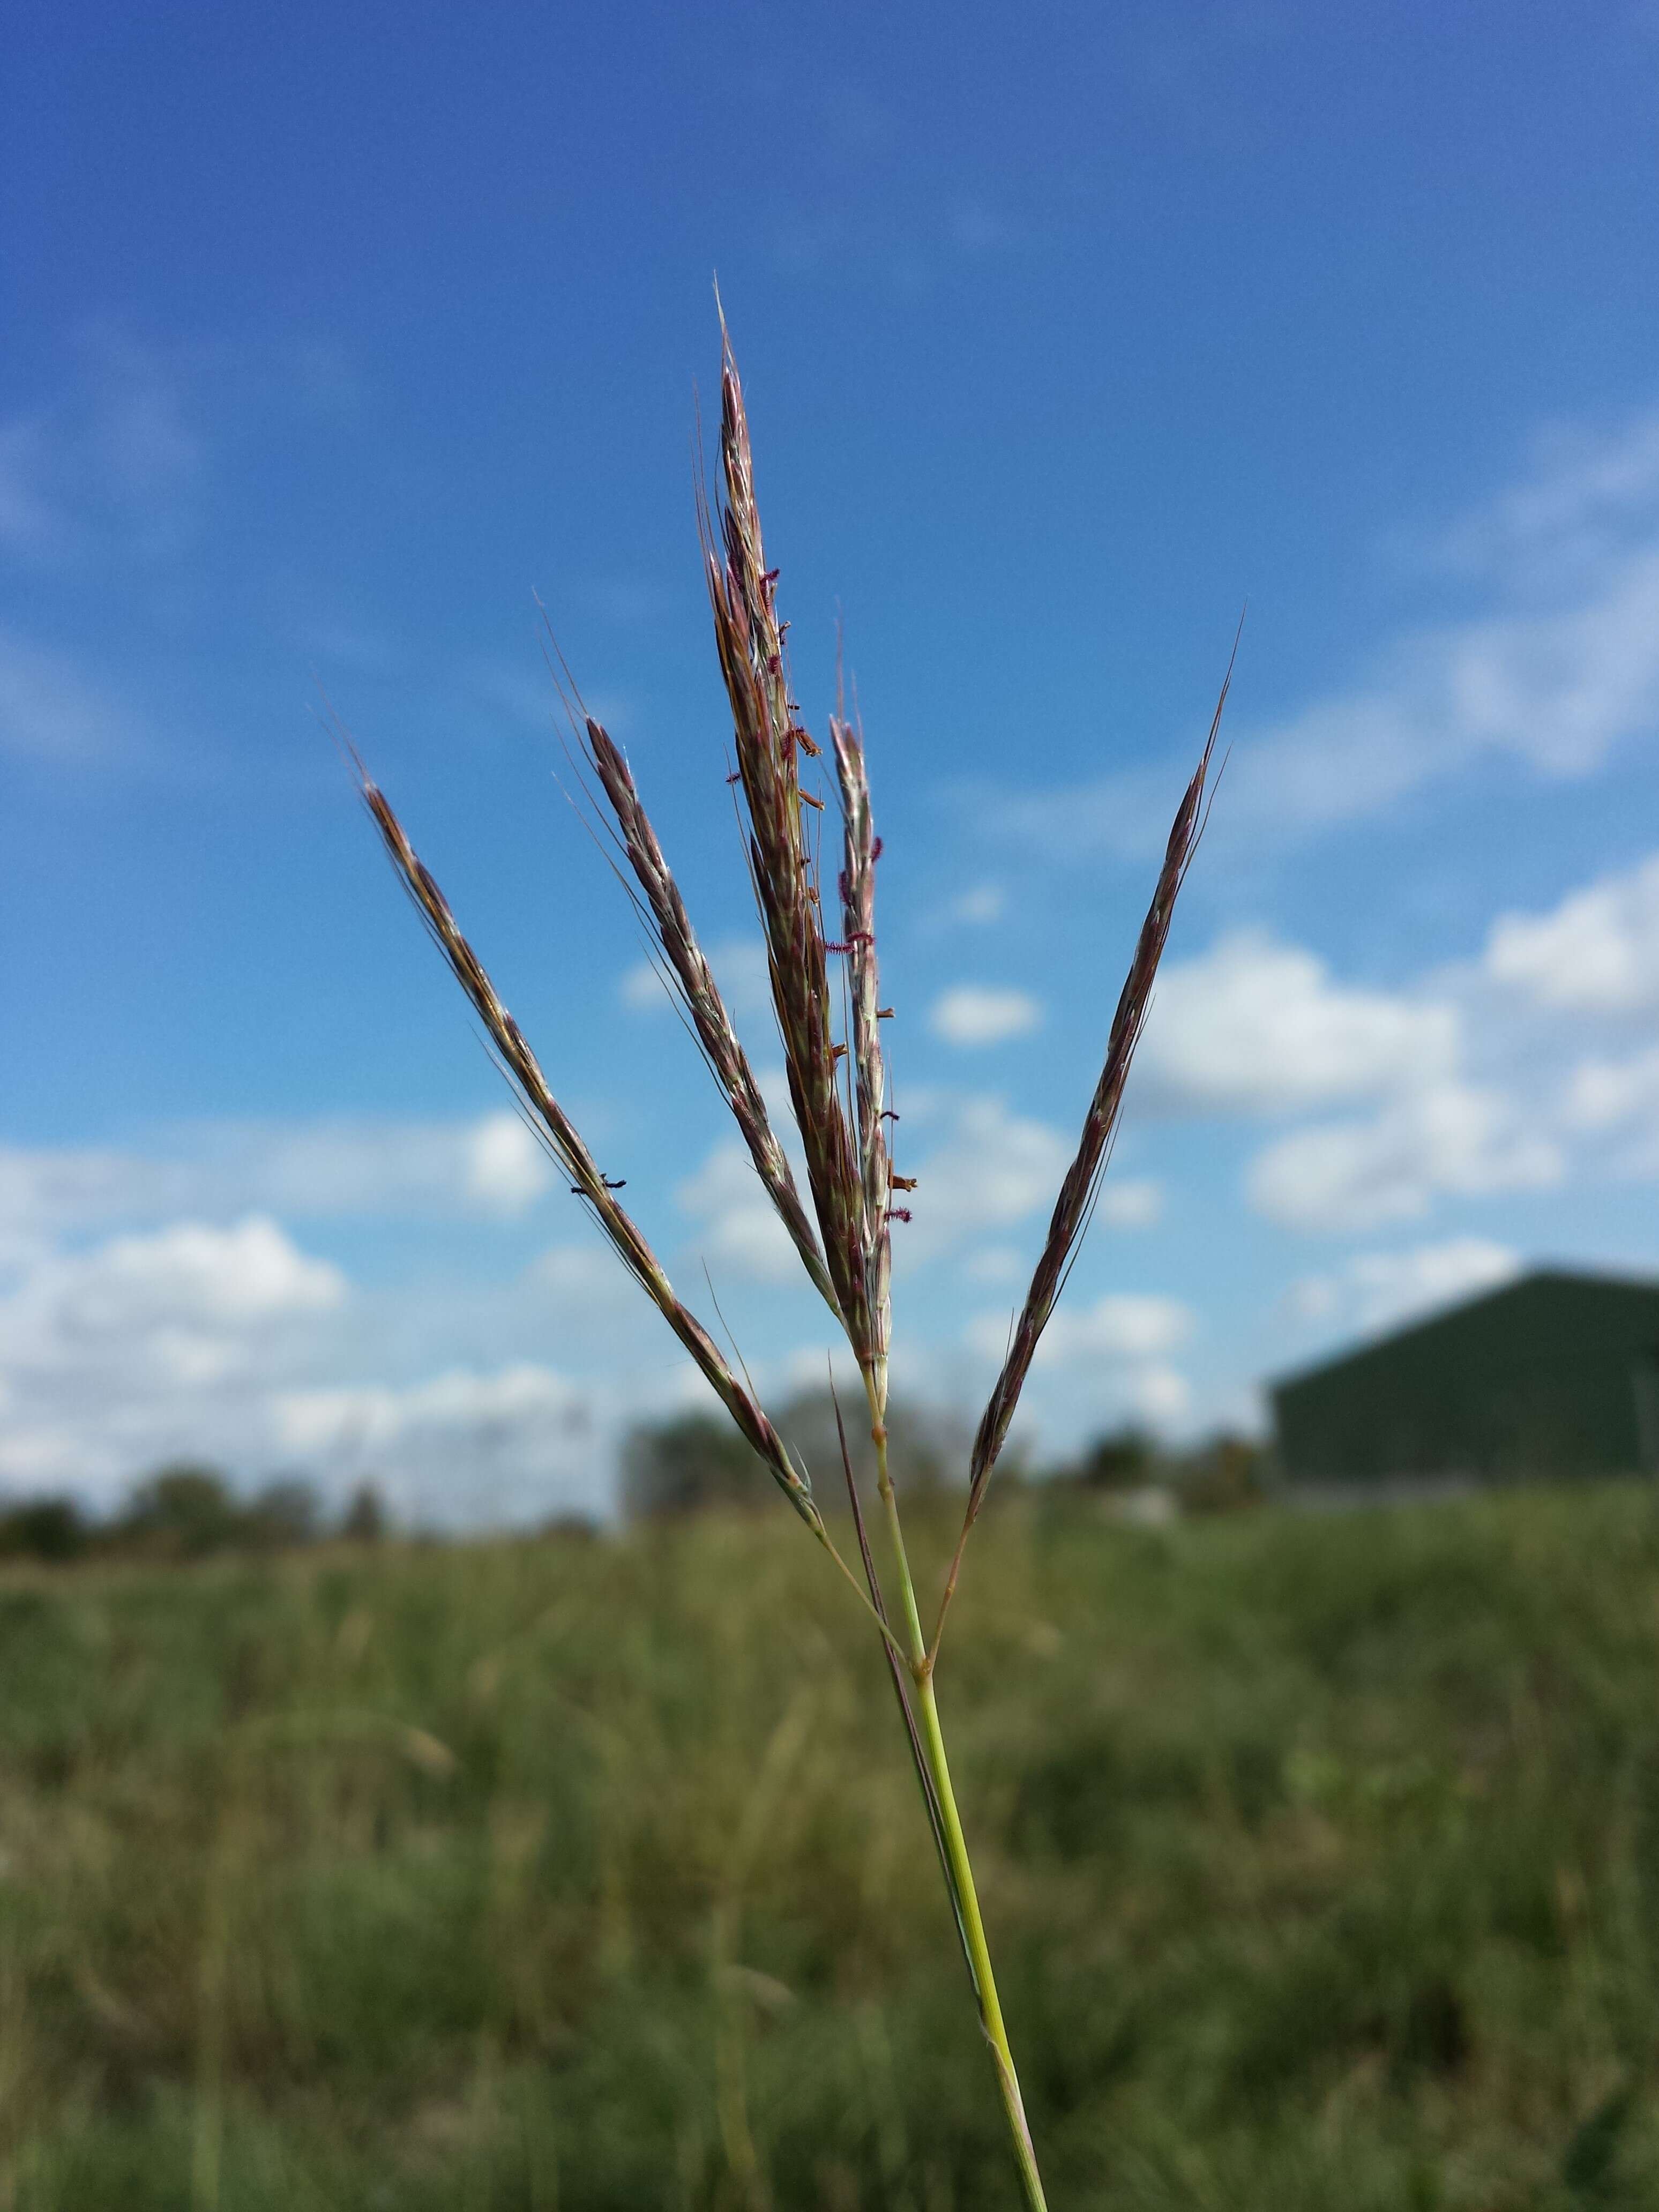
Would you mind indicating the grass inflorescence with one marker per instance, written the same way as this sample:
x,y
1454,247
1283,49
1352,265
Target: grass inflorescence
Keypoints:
x,y
830,1032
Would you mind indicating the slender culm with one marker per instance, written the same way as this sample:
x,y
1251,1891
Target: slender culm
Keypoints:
x,y
838,1091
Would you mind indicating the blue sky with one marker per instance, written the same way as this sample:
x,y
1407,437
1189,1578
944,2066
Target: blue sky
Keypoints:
x,y
333,339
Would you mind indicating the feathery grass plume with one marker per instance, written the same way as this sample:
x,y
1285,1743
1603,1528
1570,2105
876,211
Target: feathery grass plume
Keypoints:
x,y
841,1114
692,978
769,739
1079,1193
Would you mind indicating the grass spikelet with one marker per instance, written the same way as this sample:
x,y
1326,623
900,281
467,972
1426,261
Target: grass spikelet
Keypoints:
x,y
1080,1191
869,1080
694,982
769,740
565,1142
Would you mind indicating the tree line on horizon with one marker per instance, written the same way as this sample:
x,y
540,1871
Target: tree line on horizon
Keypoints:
x,y
691,1463
187,1511
697,1462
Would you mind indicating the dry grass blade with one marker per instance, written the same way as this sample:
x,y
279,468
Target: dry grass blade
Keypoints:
x,y
769,740
565,1142
1074,1207
690,975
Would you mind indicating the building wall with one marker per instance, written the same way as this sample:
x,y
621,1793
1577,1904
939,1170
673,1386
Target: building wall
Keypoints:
x,y
1557,1374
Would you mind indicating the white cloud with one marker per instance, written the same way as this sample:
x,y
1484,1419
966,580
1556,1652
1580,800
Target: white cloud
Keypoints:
x,y
50,711
1120,1345
219,1343
525,1436
983,904
1557,690
1467,1096
1161,1394
110,453
1619,1099
1119,1326
643,991
1376,1289
1606,1094
491,1166
1451,1137
505,1169
738,1224
224,1339
108,467
1135,1202
1559,671
196,1273
43,1192
27,520
740,969
1587,494
992,1170
997,1263
582,1273
147,1346
971,1014
370,1418
192,1330
1258,1026
808,1368
1597,951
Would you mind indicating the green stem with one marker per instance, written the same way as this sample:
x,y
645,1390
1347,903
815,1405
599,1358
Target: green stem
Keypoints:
x,y
990,2009
958,1867
862,1595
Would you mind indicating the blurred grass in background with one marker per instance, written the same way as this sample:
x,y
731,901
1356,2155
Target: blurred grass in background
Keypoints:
x,y
1321,1857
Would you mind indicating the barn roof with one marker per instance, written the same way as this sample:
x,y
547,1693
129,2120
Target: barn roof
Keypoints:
x,y
1557,1371
1566,1280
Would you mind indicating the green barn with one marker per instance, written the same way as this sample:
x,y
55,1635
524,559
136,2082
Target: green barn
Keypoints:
x,y
1557,1374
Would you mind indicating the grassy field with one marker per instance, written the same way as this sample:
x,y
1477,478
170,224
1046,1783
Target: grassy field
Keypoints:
x,y
1321,1857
